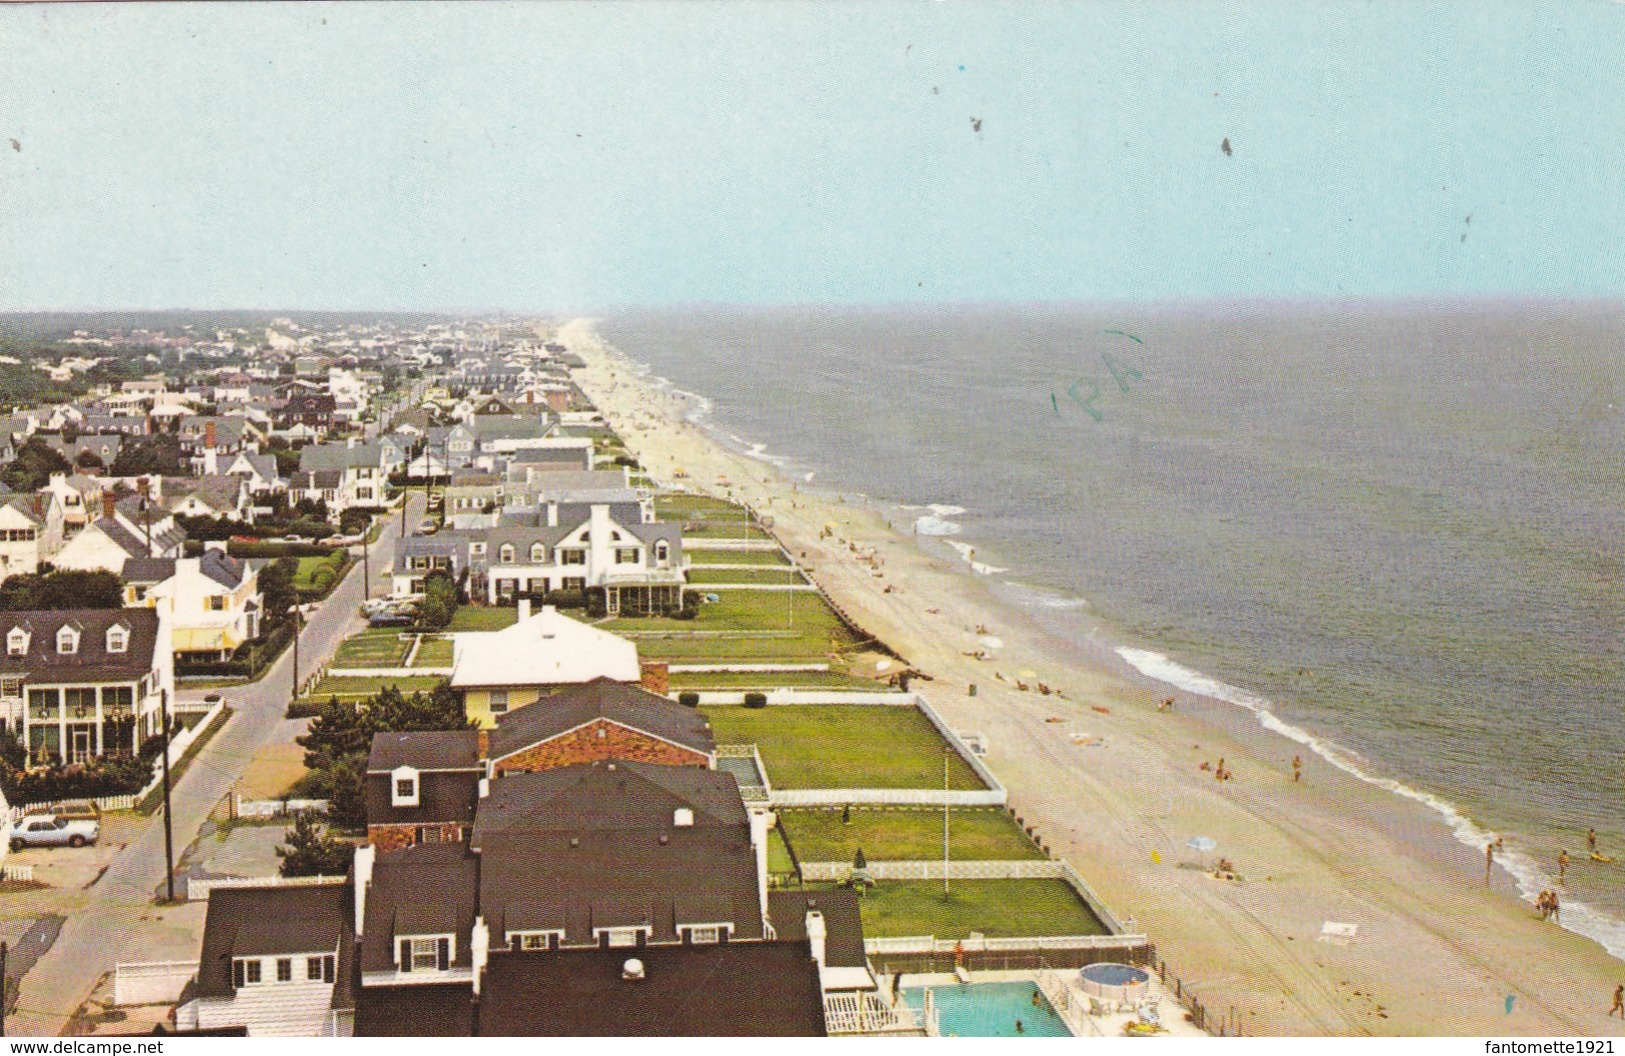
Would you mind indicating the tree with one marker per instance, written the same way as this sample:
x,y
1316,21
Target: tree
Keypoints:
x,y
338,730
312,851
393,712
62,589
32,468
155,456
439,599
354,521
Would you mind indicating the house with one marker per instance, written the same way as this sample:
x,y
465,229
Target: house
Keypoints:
x,y
313,410
638,566
418,555
258,470
278,961
80,498
362,470
21,523
98,449
502,671
474,493
220,495
598,721
93,680
422,787
564,452
131,527
212,603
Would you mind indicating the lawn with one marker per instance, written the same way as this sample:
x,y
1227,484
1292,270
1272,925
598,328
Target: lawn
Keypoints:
x,y
778,576
736,680
713,529
737,557
697,507
996,908
895,834
434,652
308,567
483,618
843,745
374,648
778,856
795,627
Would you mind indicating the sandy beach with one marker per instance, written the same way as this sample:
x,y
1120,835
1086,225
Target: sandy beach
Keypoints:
x,y
1436,952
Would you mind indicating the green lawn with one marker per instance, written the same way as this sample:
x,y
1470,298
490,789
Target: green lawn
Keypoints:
x,y
483,618
779,576
737,557
794,627
711,529
434,652
375,648
843,746
778,856
736,680
996,908
698,507
893,834
307,569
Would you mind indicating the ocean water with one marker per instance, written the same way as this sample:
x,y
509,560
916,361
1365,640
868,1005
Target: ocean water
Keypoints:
x,y
1395,531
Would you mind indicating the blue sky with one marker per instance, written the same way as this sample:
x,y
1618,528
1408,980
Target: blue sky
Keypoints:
x,y
570,156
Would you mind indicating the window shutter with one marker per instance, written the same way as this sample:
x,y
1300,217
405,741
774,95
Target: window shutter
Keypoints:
x,y
406,955
327,969
237,974
443,951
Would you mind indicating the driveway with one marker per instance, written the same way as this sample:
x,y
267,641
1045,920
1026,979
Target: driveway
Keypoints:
x,y
108,929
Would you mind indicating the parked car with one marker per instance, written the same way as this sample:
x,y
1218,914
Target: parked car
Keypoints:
x,y
390,619
428,526
48,830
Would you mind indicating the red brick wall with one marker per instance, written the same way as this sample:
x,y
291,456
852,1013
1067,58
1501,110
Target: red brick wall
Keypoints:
x,y
655,676
393,837
586,746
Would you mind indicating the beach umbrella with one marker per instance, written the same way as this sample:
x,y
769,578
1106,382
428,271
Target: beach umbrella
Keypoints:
x,y
1202,845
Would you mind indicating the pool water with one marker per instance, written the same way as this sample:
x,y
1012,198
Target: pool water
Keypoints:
x,y
990,1010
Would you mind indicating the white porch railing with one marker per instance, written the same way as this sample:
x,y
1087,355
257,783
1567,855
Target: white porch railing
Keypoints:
x,y
926,869
198,890
863,1012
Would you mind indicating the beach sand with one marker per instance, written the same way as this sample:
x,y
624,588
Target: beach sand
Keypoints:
x,y
1436,952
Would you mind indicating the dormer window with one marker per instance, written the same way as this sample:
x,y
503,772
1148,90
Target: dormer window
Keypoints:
x,y
423,953
403,787
538,553
662,551
17,642
506,554
118,639
67,641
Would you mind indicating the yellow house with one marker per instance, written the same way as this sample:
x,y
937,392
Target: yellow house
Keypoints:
x,y
499,671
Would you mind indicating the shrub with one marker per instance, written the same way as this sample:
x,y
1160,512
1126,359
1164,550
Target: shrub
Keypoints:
x,y
688,698
321,581
755,700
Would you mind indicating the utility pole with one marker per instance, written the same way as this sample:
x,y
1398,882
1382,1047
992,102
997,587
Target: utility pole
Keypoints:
x,y
945,752
3,990
293,699
366,566
169,825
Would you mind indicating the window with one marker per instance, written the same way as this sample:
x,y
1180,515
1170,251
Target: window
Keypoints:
x,y
17,642
705,935
428,954
619,937
626,555
506,554
403,787
572,557
499,701
319,969
662,551
67,641
538,553
477,549
245,971
118,639
534,940
217,603
284,969
81,703
11,687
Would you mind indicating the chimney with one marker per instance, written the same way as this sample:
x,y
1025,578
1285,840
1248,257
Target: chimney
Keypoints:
x,y
524,609
109,500
632,970
760,823
364,857
479,948
655,676
682,818
208,434
485,744
485,787
816,933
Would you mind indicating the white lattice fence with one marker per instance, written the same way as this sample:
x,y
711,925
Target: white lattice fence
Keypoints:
x,y
1015,869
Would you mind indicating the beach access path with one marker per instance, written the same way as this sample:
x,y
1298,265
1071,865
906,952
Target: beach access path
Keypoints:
x,y
1435,953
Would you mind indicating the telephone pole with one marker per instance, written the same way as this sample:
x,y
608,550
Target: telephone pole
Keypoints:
x,y
169,825
945,752
293,699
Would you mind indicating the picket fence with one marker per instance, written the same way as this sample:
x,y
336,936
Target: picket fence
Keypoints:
x,y
276,808
930,944
198,889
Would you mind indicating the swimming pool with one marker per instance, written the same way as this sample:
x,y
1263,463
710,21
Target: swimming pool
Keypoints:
x,y
990,1010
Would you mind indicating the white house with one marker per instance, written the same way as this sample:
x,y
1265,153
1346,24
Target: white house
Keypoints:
x,y
498,671
212,603
20,528
133,527
638,565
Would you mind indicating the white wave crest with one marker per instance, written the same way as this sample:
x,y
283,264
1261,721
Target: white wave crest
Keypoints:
x,y
930,525
944,510
968,552
1530,878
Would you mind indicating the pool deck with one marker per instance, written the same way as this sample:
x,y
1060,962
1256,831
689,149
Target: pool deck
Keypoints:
x,y
1072,1003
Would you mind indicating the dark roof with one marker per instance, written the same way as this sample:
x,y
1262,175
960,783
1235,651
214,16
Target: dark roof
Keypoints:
x,y
731,989
221,567
92,663
596,846
428,888
425,750
620,702
442,797
148,569
843,922
434,1010
264,922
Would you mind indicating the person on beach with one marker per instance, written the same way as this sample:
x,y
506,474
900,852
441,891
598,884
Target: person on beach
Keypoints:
x,y
1489,862
1562,866
1619,1001
1591,841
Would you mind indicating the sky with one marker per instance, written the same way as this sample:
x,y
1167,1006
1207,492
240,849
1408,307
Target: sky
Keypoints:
x,y
571,156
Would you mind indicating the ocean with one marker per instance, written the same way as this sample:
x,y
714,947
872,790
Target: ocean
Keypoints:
x,y
1395,530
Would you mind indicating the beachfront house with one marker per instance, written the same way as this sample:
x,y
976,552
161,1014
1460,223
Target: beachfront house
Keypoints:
x,y
502,671
637,565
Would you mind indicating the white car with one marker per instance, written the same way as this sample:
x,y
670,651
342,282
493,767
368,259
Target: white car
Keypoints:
x,y
47,830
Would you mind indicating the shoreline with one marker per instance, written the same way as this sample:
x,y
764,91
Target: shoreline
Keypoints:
x,y
1334,848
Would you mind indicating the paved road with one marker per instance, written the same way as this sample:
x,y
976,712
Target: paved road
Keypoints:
x,y
108,930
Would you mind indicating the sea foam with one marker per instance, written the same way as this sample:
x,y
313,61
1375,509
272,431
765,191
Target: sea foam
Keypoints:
x,y
1530,878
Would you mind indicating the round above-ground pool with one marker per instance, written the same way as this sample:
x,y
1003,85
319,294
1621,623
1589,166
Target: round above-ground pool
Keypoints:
x,y
1115,982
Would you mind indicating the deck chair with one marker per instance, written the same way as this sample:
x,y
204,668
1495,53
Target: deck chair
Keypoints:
x,y
1098,1008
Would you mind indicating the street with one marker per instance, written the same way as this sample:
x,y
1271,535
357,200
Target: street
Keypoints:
x,y
109,928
